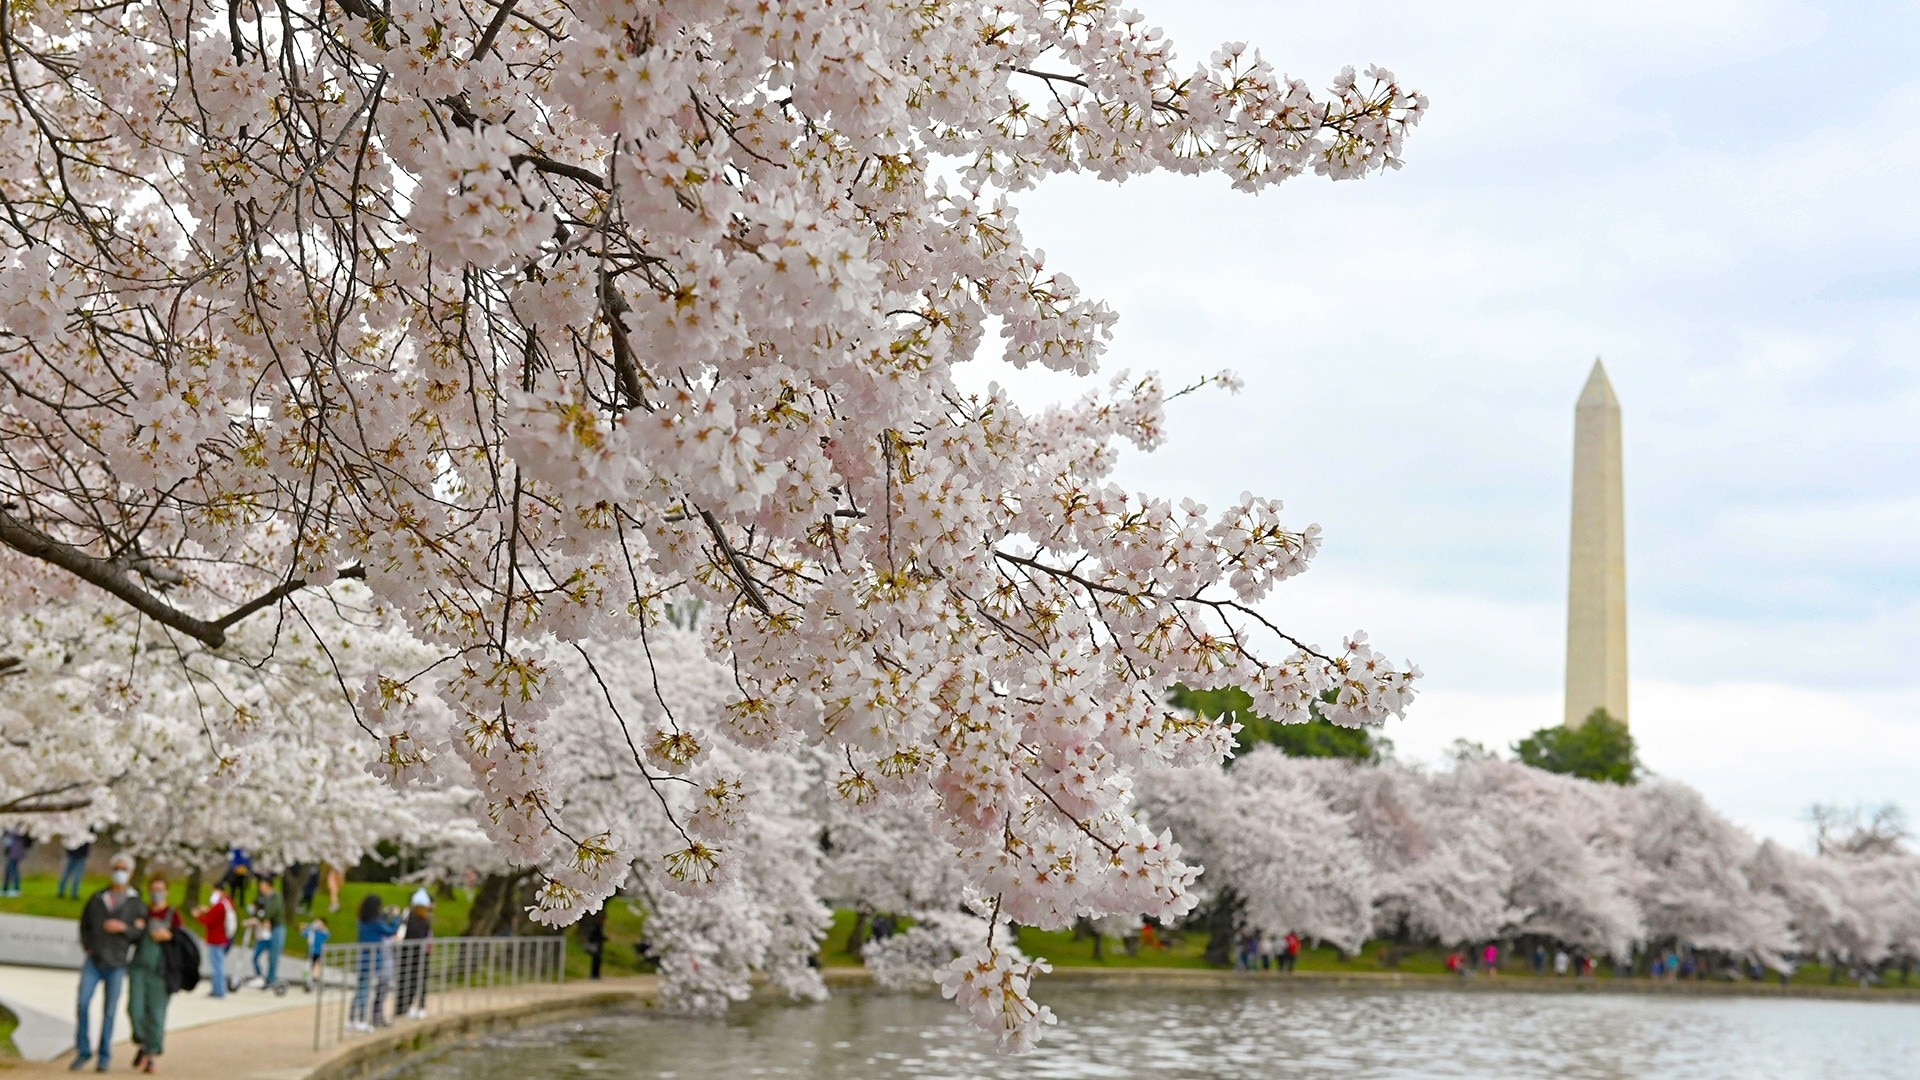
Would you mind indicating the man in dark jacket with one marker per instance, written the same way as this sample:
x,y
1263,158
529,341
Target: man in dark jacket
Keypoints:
x,y
114,918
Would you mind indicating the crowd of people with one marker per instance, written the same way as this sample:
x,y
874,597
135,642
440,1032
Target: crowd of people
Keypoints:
x,y
1267,952
147,947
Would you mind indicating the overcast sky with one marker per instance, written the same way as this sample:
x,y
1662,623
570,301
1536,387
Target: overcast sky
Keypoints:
x,y
1717,198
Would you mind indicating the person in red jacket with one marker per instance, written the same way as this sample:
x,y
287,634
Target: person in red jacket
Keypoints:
x,y
219,920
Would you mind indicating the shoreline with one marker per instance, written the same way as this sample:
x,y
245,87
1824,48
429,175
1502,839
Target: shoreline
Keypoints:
x,y
1226,979
1525,984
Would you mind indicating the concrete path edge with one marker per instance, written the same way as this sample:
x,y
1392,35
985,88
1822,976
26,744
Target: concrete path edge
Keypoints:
x,y
372,1058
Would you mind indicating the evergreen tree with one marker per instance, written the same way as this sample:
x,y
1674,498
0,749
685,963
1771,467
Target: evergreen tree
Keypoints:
x,y
1601,748
1317,738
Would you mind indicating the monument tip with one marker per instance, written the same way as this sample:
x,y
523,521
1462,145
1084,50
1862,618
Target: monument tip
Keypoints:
x,y
1599,389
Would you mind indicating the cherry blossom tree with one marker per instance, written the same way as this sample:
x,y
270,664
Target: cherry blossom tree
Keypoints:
x,y
184,751
691,784
1823,902
880,857
1265,831
1439,869
1894,879
540,315
1489,849
1695,889
1568,844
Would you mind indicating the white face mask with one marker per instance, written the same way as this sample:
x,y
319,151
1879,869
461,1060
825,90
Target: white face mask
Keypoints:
x,y
121,877
159,898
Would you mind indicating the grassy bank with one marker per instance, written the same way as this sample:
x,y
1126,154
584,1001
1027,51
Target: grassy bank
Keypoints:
x,y
450,913
625,924
1187,950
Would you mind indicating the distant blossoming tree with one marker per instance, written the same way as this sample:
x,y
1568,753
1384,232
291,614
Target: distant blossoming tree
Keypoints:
x,y
1488,850
186,752
541,314
1268,834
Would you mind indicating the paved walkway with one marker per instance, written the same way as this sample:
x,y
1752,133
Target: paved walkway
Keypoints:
x,y
256,1036
43,999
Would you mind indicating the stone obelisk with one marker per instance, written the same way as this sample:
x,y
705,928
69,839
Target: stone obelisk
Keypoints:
x,y
1597,578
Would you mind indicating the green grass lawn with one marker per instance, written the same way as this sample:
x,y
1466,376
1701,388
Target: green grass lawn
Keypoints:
x,y
37,897
833,951
8,1022
1064,951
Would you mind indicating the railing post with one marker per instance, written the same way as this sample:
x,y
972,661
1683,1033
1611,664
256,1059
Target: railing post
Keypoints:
x,y
320,1002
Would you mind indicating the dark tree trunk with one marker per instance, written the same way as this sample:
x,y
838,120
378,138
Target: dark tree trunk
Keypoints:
x,y
294,885
1223,927
857,937
499,906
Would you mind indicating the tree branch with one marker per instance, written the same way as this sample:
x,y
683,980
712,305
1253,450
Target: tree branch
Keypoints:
x,y
115,578
28,803
492,31
739,566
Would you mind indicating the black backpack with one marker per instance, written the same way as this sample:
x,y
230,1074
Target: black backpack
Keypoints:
x,y
181,961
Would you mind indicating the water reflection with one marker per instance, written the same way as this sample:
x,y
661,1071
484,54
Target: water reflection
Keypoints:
x,y
1233,1034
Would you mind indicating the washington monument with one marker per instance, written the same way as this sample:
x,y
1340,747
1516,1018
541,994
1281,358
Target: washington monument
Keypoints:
x,y
1597,577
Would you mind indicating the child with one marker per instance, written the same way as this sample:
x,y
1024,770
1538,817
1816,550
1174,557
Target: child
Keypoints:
x,y
316,933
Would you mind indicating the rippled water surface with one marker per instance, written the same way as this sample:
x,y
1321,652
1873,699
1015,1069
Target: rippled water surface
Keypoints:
x,y
1232,1034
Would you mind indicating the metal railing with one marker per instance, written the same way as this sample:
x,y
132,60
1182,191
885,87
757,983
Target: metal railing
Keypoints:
x,y
359,988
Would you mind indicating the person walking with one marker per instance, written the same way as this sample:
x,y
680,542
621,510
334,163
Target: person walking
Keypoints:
x,y
412,958
15,843
271,922
1293,951
1560,962
218,921
112,920
74,870
147,988
1491,958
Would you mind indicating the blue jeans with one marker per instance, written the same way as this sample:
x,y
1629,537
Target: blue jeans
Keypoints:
x,y
273,944
70,875
90,977
217,956
370,988
11,881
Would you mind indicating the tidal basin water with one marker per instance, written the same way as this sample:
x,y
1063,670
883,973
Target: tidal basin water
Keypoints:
x,y
1230,1034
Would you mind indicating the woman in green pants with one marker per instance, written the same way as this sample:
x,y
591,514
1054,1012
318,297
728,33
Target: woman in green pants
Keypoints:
x,y
147,977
